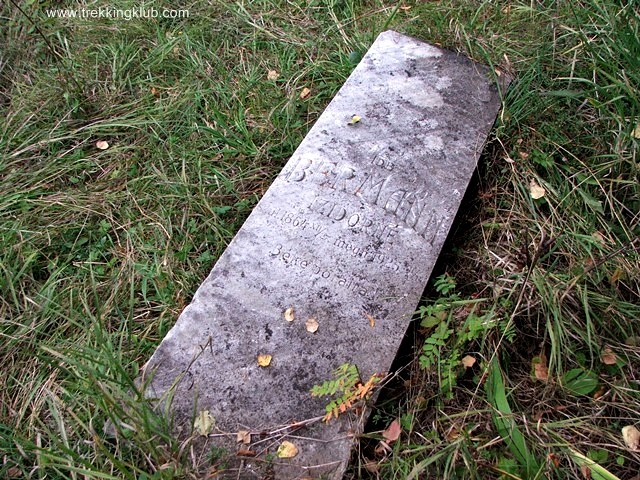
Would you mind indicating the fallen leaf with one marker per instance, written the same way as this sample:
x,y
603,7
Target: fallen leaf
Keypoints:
x,y
305,93
312,325
632,341
536,190
523,155
154,91
245,452
540,369
468,361
599,237
553,458
264,360
243,436
372,321
631,437
290,314
272,75
452,434
382,448
616,276
371,466
586,472
102,145
636,132
287,450
355,119
599,393
14,472
392,433
204,423
608,357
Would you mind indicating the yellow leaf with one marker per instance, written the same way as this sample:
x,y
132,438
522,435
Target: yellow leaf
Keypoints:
x,y
355,119
272,75
102,145
287,450
616,276
631,437
468,361
264,360
608,357
204,423
290,314
372,321
312,325
536,190
636,132
305,93
243,436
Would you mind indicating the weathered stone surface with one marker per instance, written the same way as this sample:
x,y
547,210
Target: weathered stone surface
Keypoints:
x,y
351,228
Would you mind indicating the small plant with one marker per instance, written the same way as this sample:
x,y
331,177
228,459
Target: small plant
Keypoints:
x,y
346,388
444,347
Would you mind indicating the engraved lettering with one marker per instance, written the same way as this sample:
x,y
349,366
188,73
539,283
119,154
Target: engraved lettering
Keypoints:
x,y
394,201
413,208
340,181
299,172
353,220
370,188
337,212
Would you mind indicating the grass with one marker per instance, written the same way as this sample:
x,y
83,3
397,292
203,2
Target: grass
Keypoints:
x,y
100,250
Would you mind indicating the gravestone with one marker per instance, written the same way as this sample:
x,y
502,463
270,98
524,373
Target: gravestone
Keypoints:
x,y
347,235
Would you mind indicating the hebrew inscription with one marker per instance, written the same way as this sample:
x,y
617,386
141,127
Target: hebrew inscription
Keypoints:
x,y
348,232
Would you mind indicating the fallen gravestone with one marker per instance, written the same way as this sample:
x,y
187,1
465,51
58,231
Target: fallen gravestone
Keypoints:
x,y
343,241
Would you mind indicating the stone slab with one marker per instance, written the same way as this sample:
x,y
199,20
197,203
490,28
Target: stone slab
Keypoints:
x,y
349,231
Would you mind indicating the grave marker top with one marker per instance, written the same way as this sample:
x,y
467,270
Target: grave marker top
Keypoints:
x,y
348,232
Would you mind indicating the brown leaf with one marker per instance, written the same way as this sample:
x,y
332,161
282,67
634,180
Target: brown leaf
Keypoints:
x,y
393,431
245,452
312,325
371,466
14,472
586,472
631,437
264,360
243,436
599,393
305,93
287,450
468,361
608,357
540,369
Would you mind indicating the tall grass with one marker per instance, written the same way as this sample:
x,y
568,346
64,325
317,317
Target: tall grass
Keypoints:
x,y
100,250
